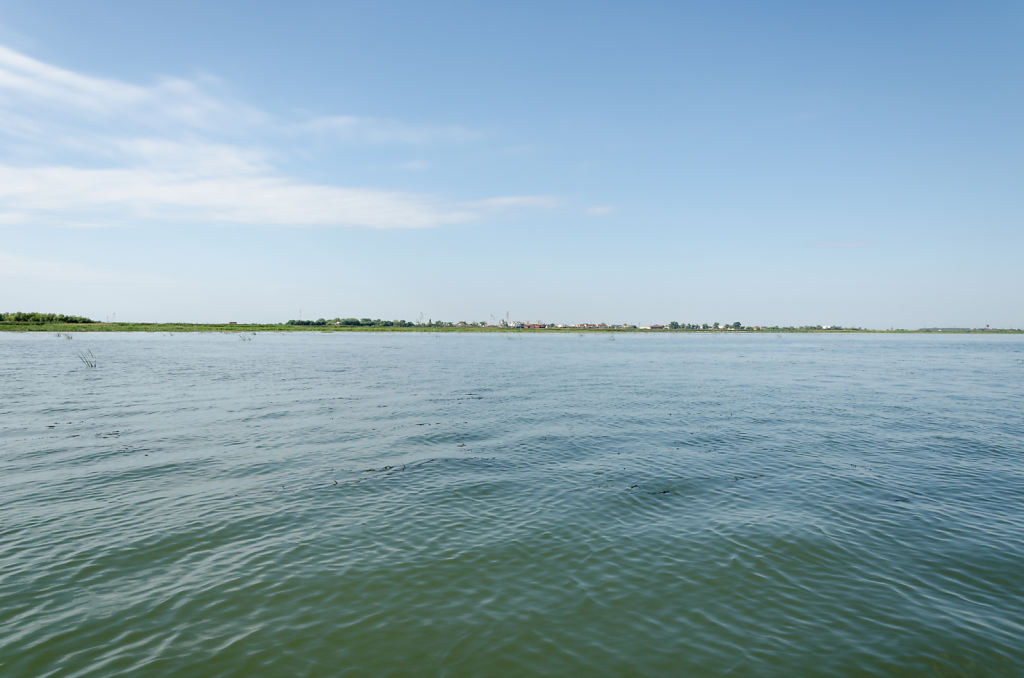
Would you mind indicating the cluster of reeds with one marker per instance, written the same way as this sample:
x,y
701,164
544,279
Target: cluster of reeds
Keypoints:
x,y
87,358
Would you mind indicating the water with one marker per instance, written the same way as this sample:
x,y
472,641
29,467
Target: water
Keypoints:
x,y
496,504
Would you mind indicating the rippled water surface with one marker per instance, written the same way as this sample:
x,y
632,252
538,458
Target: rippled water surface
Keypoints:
x,y
498,504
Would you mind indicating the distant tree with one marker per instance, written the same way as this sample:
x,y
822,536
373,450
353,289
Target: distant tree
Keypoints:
x,y
737,325
673,325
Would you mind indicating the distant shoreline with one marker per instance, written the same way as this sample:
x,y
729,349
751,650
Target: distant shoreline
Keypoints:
x,y
205,327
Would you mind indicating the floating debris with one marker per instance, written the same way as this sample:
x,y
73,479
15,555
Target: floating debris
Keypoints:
x,y
384,468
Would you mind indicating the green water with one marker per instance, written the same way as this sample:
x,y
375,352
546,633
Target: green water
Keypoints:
x,y
459,505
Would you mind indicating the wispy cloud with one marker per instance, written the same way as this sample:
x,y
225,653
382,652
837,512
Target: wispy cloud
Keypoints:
x,y
23,75
35,85
136,194
82,150
599,210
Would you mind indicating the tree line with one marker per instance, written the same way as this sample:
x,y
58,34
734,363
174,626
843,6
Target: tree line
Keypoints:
x,y
24,317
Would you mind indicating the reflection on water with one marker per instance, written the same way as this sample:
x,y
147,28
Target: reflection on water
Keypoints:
x,y
388,504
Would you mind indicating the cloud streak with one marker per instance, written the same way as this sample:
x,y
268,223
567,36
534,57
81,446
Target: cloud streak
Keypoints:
x,y
81,150
116,195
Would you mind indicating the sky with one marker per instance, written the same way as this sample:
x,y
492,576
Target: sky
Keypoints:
x,y
772,163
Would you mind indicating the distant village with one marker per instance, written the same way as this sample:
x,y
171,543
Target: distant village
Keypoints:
x,y
507,324
677,326
674,326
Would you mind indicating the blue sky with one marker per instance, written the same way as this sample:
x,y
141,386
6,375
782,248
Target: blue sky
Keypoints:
x,y
772,163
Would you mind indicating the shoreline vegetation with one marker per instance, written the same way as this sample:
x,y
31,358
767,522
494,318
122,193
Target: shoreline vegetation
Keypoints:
x,y
53,322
